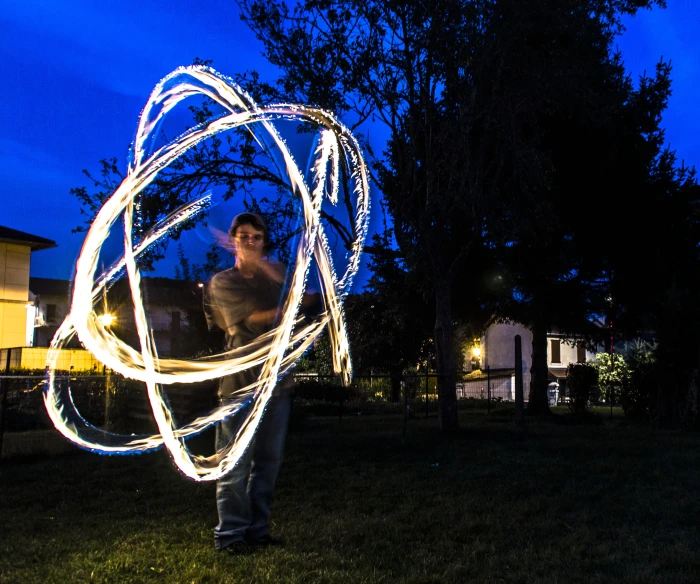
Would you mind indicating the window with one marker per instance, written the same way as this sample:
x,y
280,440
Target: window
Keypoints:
x,y
556,350
175,322
580,353
50,313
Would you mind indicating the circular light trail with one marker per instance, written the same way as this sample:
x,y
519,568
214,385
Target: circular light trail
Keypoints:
x,y
276,352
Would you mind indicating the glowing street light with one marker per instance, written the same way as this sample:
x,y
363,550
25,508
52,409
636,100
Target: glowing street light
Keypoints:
x,y
107,319
476,351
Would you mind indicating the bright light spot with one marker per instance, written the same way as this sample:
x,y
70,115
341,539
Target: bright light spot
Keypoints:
x,y
476,351
106,319
275,352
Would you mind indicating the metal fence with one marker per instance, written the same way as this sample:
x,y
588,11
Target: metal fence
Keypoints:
x,y
112,402
109,401
495,387
106,401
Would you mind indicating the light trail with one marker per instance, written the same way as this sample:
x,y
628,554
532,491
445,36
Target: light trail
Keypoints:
x,y
275,352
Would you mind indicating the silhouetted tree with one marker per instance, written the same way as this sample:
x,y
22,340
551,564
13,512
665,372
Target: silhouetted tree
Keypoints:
x,y
461,87
389,323
234,163
591,129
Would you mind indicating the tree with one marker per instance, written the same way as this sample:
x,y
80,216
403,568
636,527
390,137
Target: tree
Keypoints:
x,y
470,93
656,251
595,161
389,323
234,163
423,69
639,395
582,386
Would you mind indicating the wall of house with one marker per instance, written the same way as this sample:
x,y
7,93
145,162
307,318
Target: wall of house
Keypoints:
x,y
44,333
14,294
160,320
167,330
498,346
568,353
498,351
67,359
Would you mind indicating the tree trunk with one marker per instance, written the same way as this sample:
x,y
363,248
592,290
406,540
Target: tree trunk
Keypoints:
x,y
539,403
444,354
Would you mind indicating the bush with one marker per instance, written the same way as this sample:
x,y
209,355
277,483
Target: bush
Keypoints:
x,y
582,384
324,391
639,393
612,374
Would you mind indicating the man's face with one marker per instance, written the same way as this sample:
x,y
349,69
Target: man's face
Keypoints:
x,y
248,242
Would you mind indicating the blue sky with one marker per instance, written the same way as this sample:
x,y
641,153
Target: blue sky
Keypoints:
x,y
77,73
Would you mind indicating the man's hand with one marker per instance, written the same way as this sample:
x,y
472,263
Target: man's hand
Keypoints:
x,y
263,317
273,271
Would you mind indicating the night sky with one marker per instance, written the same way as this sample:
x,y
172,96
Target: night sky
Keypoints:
x,y
76,74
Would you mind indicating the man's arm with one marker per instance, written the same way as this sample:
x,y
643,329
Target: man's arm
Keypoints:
x,y
273,271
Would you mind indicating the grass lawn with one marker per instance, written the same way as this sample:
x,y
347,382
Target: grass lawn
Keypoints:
x,y
570,503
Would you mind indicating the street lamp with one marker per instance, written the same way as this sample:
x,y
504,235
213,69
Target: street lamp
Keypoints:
x,y
106,319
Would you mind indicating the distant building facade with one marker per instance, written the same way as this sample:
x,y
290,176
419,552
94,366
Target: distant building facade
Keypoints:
x,y
497,352
169,305
52,304
17,311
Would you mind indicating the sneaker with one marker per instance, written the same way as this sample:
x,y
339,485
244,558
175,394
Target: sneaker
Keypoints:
x,y
238,548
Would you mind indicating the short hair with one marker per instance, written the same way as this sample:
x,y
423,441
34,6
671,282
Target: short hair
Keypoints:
x,y
251,219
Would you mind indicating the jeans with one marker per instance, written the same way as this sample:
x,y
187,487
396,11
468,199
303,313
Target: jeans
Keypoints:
x,y
244,495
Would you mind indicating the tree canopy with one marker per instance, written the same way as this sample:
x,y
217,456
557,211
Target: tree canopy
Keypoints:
x,y
487,104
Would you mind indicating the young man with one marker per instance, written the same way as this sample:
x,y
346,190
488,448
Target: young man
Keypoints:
x,y
243,302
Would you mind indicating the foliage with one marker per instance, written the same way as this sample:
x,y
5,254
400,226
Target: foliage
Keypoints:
x,y
596,142
638,395
320,356
613,374
187,270
233,164
389,323
582,383
324,391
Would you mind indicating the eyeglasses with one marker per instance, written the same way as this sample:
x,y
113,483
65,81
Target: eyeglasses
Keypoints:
x,y
253,237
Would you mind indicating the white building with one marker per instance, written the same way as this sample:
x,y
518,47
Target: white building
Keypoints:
x,y
497,352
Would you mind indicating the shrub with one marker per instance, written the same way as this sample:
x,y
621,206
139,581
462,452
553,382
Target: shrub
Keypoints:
x,y
612,374
323,391
582,384
638,394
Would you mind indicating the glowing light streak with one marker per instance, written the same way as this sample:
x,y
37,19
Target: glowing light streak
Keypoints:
x,y
274,352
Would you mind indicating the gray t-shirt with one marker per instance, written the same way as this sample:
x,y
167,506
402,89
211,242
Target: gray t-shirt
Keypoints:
x,y
232,298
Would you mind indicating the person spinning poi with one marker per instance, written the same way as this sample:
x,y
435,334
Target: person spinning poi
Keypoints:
x,y
243,301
